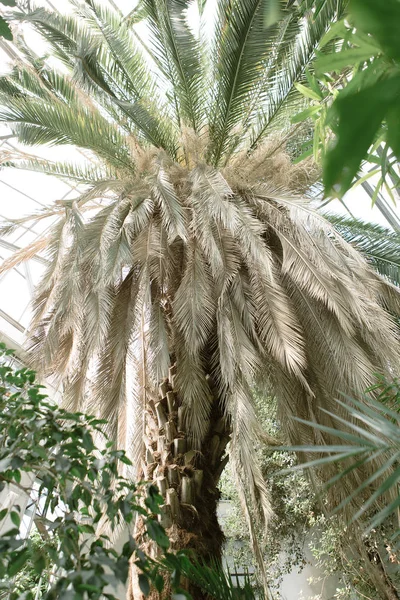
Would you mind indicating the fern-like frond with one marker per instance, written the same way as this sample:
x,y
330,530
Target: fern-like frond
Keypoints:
x,y
40,122
281,100
81,173
242,46
380,245
178,54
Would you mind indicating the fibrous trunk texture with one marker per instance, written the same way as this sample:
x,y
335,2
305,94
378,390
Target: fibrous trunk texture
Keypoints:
x,y
186,476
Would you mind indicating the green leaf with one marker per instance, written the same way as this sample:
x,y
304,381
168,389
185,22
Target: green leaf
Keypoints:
x,y
307,92
380,19
338,30
39,563
87,529
272,13
359,117
158,583
338,60
129,547
144,584
305,114
3,513
5,30
86,587
8,2
157,533
87,441
15,518
18,562
393,130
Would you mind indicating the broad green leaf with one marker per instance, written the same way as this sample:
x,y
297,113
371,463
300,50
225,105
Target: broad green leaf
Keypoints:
x,y
39,563
338,30
8,2
157,533
382,20
5,30
18,562
393,130
338,60
15,518
87,529
359,117
144,584
307,92
87,441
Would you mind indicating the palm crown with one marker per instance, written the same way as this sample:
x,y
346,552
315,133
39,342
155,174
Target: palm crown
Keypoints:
x,y
187,251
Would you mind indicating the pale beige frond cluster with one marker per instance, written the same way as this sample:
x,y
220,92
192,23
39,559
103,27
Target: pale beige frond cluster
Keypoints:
x,y
220,273
188,248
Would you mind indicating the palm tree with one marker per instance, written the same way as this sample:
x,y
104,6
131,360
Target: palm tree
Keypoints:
x,y
188,270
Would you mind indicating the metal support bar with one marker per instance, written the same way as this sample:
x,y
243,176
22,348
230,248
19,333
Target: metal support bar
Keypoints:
x,y
14,248
12,321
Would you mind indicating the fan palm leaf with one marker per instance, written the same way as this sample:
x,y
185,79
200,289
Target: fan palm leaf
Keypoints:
x,y
358,447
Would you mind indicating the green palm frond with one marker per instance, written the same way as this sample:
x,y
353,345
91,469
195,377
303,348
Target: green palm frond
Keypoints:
x,y
213,580
115,69
178,54
380,245
119,57
41,122
129,81
64,33
242,47
83,173
293,57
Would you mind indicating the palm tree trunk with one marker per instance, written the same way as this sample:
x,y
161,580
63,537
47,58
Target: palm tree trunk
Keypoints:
x,y
186,477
